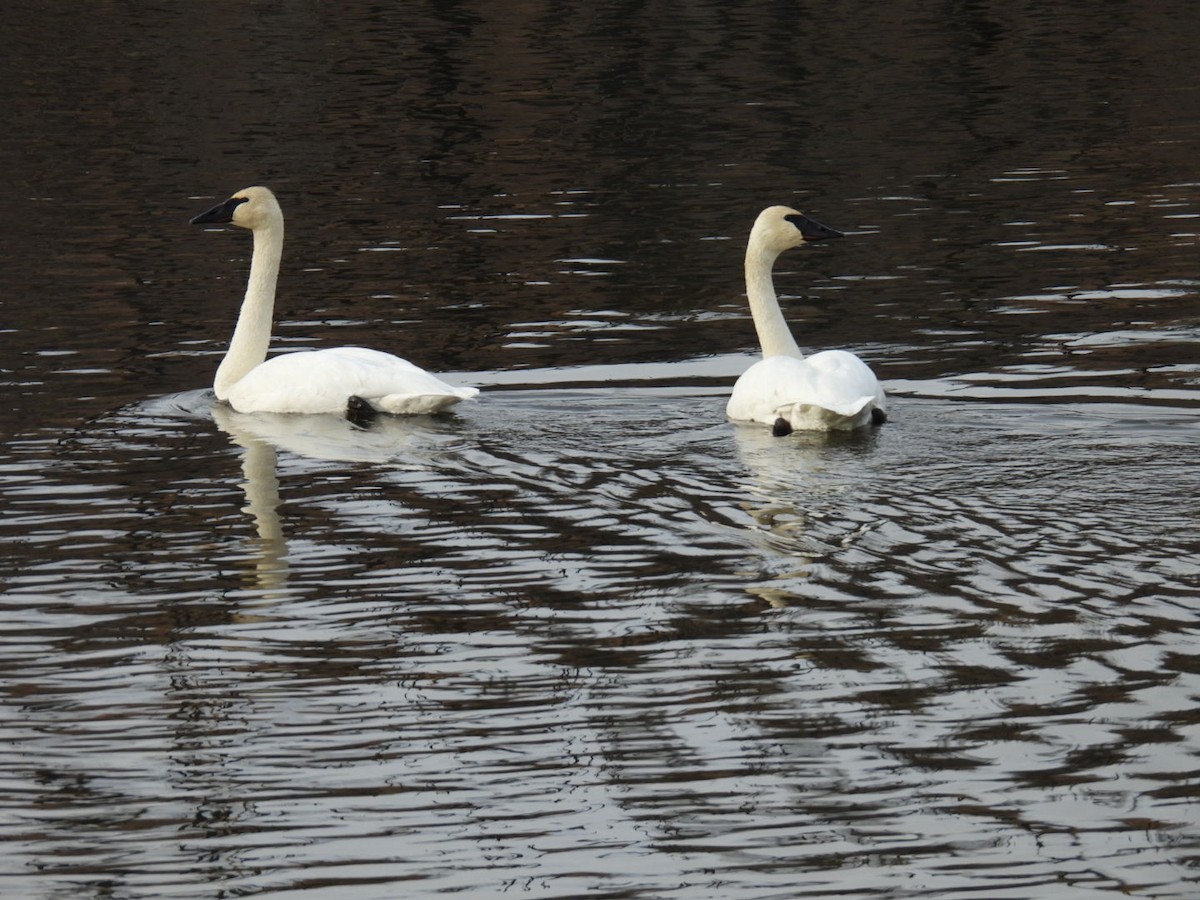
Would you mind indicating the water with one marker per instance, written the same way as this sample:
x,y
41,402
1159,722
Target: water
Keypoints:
x,y
584,637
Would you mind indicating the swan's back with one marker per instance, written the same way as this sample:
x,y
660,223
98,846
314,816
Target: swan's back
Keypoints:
x,y
321,381
833,389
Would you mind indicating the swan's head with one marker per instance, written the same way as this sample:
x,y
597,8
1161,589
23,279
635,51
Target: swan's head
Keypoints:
x,y
779,228
253,207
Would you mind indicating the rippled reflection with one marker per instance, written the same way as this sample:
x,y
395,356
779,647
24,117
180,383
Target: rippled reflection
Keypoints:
x,y
262,500
584,637
534,612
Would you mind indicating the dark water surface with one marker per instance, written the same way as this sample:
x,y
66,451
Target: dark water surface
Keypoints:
x,y
584,638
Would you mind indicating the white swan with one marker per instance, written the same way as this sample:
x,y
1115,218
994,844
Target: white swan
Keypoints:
x,y
348,380
832,390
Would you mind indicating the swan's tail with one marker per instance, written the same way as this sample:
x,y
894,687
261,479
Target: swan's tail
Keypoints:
x,y
422,404
829,416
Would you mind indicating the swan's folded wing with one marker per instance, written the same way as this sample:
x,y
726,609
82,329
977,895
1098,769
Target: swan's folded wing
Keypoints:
x,y
841,382
321,381
764,387
833,389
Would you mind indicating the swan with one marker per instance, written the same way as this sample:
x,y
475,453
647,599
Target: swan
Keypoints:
x,y
352,381
832,390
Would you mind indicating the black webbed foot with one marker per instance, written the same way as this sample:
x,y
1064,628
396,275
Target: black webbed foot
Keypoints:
x,y
359,412
878,416
781,428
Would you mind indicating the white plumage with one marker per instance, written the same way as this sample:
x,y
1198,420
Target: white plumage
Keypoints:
x,y
339,380
828,391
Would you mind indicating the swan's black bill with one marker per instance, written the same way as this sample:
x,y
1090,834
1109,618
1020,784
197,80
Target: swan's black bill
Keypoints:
x,y
221,213
811,229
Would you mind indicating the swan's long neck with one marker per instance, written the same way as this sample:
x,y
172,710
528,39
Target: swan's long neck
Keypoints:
x,y
252,336
773,333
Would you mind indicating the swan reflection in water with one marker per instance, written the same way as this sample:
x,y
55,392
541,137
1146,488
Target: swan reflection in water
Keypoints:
x,y
409,442
262,503
804,495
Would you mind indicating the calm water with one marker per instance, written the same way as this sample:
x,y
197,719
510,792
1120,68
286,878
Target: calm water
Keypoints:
x,y
584,637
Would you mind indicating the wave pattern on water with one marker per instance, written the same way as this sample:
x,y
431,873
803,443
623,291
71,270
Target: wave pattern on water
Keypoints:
x,y
584,638
576,624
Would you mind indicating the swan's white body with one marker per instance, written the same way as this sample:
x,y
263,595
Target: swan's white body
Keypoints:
x,y
832,390
312,381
